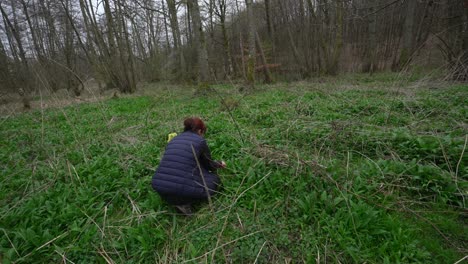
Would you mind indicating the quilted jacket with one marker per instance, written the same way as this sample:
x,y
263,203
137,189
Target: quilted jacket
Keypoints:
x,y
184,165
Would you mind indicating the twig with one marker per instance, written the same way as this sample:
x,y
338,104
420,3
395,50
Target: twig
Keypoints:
x,y
255,184
104,221
92,220
39,248
347,198
226,220
229,212
432,224
13,245
458,166
445,155
135,208
260,251
59,236
223,245
203,178
462,259
65,259
239,131
380,9
106,256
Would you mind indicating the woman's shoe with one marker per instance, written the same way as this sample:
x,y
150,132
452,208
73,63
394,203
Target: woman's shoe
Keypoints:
x,y
185,209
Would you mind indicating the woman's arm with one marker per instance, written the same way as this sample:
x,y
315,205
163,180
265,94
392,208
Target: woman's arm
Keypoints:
x,y
205,158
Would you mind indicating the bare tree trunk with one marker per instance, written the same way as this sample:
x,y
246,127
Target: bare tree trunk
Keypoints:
x,y
333,62
408,34
188,14
227,49
125,50
200,40
171,6
98,53
53,40
370,63
165,28
24,70
5,71
211,9
39,50
461,66
252,52
295,52
72,83
112,63
270,28
241,46
52,44
75,30
220,10
316,35
266,71
268,19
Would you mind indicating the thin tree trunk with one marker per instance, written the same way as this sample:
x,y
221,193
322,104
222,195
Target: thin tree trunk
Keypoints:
x,y
461,68
221,13
295,52
5,71
333,63
68,50
266,71
241,46
189,21
24,89
252,52
268,19
37,47
408,34
126,49
171,6
271,32
370,63
166,29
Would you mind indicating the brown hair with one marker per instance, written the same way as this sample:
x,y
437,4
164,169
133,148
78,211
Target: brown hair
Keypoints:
x,y
194,124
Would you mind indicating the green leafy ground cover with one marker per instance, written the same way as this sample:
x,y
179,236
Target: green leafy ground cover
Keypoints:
x,y
359,170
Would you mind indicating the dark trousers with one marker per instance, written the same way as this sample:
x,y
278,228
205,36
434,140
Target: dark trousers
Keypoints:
x,y
175,199
181,200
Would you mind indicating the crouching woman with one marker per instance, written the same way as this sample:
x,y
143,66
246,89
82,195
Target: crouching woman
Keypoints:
x,y
187,174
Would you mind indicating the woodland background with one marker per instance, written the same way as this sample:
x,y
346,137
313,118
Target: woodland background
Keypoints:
x,y
64,44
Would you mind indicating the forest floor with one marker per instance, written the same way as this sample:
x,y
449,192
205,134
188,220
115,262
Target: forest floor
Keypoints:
x,y
353,169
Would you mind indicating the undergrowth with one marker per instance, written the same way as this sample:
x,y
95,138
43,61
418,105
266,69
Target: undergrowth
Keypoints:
x,y
366,172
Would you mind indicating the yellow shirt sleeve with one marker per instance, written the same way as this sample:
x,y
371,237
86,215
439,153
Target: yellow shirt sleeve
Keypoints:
x,y
171,136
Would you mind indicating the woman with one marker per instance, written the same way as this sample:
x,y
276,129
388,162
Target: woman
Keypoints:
x,y
186,173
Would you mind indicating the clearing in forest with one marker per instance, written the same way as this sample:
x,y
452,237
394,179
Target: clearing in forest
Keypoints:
x,y
358,170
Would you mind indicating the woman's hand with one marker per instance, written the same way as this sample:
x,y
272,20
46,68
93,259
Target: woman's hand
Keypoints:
x,y
222,164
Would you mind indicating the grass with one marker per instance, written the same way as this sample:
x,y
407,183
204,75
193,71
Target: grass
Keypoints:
x,y
358,169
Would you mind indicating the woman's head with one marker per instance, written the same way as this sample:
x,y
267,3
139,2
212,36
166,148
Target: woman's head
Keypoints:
x,y
195,124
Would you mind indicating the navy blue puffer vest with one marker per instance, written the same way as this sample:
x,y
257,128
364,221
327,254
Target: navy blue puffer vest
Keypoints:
x,y
178,173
